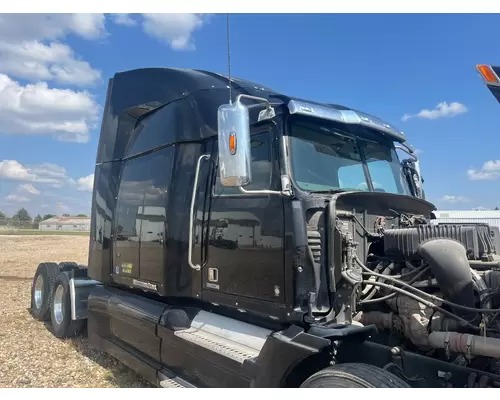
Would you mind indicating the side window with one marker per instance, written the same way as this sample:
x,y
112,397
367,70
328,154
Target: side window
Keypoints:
x,y
262,162
155,130
130,198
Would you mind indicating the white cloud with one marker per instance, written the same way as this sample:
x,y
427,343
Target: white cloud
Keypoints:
x,y
28,27
29,188
86,183
475,175
49,173
29,47
443,109
46,173
492,166
489,171
11,169
16,198
88,26
454,199
36,61
35,109
123,19
175,29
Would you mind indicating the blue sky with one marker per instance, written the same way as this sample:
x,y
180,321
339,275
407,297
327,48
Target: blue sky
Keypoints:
x,y
54,71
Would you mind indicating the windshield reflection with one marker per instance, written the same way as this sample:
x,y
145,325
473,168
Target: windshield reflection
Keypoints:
x,y
328,156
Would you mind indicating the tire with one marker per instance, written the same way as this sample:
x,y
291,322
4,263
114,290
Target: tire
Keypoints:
x,y
41,290
67,266
354,376
60,310
70,266
81,273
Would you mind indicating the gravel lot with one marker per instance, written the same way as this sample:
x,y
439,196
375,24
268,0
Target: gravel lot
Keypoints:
x,y
30,356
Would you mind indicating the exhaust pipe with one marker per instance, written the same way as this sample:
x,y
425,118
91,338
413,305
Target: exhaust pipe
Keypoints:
x,y
466,344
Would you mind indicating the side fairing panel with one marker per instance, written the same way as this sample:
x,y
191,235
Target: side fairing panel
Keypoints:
x,y
106,178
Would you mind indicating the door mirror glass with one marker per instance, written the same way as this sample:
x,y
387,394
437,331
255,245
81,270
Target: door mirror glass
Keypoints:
x,y
234,145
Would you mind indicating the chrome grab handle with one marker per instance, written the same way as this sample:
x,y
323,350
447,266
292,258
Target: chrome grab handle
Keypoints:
x,y
196,267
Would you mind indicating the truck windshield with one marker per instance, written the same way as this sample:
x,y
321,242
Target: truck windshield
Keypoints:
x,y
327,156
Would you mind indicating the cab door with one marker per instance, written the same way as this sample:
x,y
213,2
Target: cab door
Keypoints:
x,y
245,256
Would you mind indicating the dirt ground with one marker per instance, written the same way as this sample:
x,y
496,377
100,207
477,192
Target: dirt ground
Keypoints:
x,y
30,356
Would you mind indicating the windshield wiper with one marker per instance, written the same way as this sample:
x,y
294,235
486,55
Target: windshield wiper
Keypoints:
x,y
329,191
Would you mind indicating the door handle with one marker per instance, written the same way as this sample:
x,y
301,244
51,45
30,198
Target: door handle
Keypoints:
x,y
196,267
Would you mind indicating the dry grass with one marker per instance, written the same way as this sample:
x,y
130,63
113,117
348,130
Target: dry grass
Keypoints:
x,y
30,356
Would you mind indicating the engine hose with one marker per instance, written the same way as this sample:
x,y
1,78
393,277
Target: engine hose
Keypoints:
x,y
386,272
426,302
488,296
481,288
419,271
430,296
426,284
390,296
409,265
372,293
410,273
367,288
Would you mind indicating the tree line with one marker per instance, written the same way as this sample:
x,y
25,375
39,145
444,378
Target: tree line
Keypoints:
x,y
23,217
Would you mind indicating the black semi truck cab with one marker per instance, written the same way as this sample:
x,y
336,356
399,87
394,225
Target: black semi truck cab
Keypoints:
x,y
244,238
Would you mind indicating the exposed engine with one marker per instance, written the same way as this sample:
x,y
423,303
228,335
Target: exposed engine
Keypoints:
x,y
432,289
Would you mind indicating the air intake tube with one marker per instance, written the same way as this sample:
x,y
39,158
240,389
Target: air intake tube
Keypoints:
x,y
449,264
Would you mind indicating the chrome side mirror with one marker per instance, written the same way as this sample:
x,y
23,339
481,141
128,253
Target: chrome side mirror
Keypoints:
x,y
234,139
234,144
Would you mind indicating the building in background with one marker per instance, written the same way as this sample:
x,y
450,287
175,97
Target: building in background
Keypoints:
x,y
65,224
490,217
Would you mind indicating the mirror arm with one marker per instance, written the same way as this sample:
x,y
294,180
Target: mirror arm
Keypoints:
x,y
286,190
408,150
271,192
261,99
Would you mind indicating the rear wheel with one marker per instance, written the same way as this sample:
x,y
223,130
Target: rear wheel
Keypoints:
x,y
60,311
41,290
70,266
354,376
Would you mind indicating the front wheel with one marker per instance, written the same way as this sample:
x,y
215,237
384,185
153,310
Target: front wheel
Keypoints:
x,y
354,376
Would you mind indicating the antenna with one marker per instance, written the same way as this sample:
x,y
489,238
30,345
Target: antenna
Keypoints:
x,y
229,57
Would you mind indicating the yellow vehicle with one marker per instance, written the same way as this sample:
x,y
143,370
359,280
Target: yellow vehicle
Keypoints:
x,y
491,77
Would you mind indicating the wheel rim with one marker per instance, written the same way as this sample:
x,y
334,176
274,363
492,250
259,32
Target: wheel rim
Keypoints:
x,y
39,291
58,306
